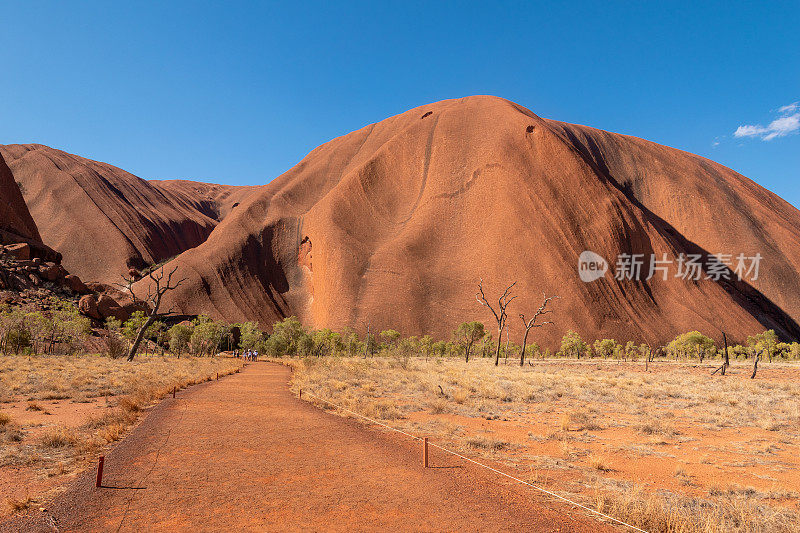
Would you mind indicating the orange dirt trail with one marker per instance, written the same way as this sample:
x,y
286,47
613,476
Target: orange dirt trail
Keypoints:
x,y
244,454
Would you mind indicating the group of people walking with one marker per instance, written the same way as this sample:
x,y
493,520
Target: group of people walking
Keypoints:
x,y
247,355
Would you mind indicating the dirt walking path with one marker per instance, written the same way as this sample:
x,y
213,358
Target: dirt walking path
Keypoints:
x,y
244,454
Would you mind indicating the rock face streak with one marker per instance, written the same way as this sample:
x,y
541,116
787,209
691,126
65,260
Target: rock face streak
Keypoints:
x,y
393,225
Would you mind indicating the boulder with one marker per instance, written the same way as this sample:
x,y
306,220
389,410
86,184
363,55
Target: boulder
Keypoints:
x,y
108,307
20,251
88,307
95,286
52,272
75,284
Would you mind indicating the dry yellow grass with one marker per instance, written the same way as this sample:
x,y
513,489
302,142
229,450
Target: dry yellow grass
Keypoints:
x,y
592,421
56,449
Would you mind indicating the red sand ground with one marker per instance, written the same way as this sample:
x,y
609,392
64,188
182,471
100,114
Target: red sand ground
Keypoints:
x,y
243,454
19,481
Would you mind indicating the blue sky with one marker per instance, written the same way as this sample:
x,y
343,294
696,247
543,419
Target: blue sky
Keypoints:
x,y
238,92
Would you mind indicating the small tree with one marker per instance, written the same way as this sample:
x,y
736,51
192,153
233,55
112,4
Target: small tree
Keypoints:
x,y
605,348
250,336
179,336
439,348
159,285
206,335
530,324
499,314
693,341
426,345
391,337
305,345
794,351
572,343
287,333
467,334
350,341
16,334
131,327
766,342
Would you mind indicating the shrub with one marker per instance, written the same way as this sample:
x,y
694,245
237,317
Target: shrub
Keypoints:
x,y
606,348
692,343
487,443
59,438
179,337
115,345
251,337
766,343
572,345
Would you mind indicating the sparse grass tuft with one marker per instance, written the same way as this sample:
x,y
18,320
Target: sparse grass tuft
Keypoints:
x,y
656,427
36,406
577,420
60,437
486,443
460,396
439,406
16,505
599,464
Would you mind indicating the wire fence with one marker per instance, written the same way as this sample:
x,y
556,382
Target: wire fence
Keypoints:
x,y
442,448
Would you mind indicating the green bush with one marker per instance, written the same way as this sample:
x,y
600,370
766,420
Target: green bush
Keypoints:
x,y
691,344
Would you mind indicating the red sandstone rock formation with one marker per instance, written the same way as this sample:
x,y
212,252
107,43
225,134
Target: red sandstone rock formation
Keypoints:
x,y
404,216
105,220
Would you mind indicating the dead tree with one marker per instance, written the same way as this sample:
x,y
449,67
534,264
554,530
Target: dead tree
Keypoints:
x,y
727,361
500,314
755,364
530,324
159,285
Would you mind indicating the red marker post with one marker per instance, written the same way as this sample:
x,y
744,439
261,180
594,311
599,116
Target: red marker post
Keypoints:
x,y
425,451
99,480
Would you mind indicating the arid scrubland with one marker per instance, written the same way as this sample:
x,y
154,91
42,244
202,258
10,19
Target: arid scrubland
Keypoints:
x,y
673,448
57,413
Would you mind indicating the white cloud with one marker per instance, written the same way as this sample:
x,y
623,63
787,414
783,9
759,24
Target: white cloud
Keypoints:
x,y
749,131
783,126
780,127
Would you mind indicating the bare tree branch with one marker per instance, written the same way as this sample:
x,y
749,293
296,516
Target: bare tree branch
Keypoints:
x,y
160,284
529,324
500,314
